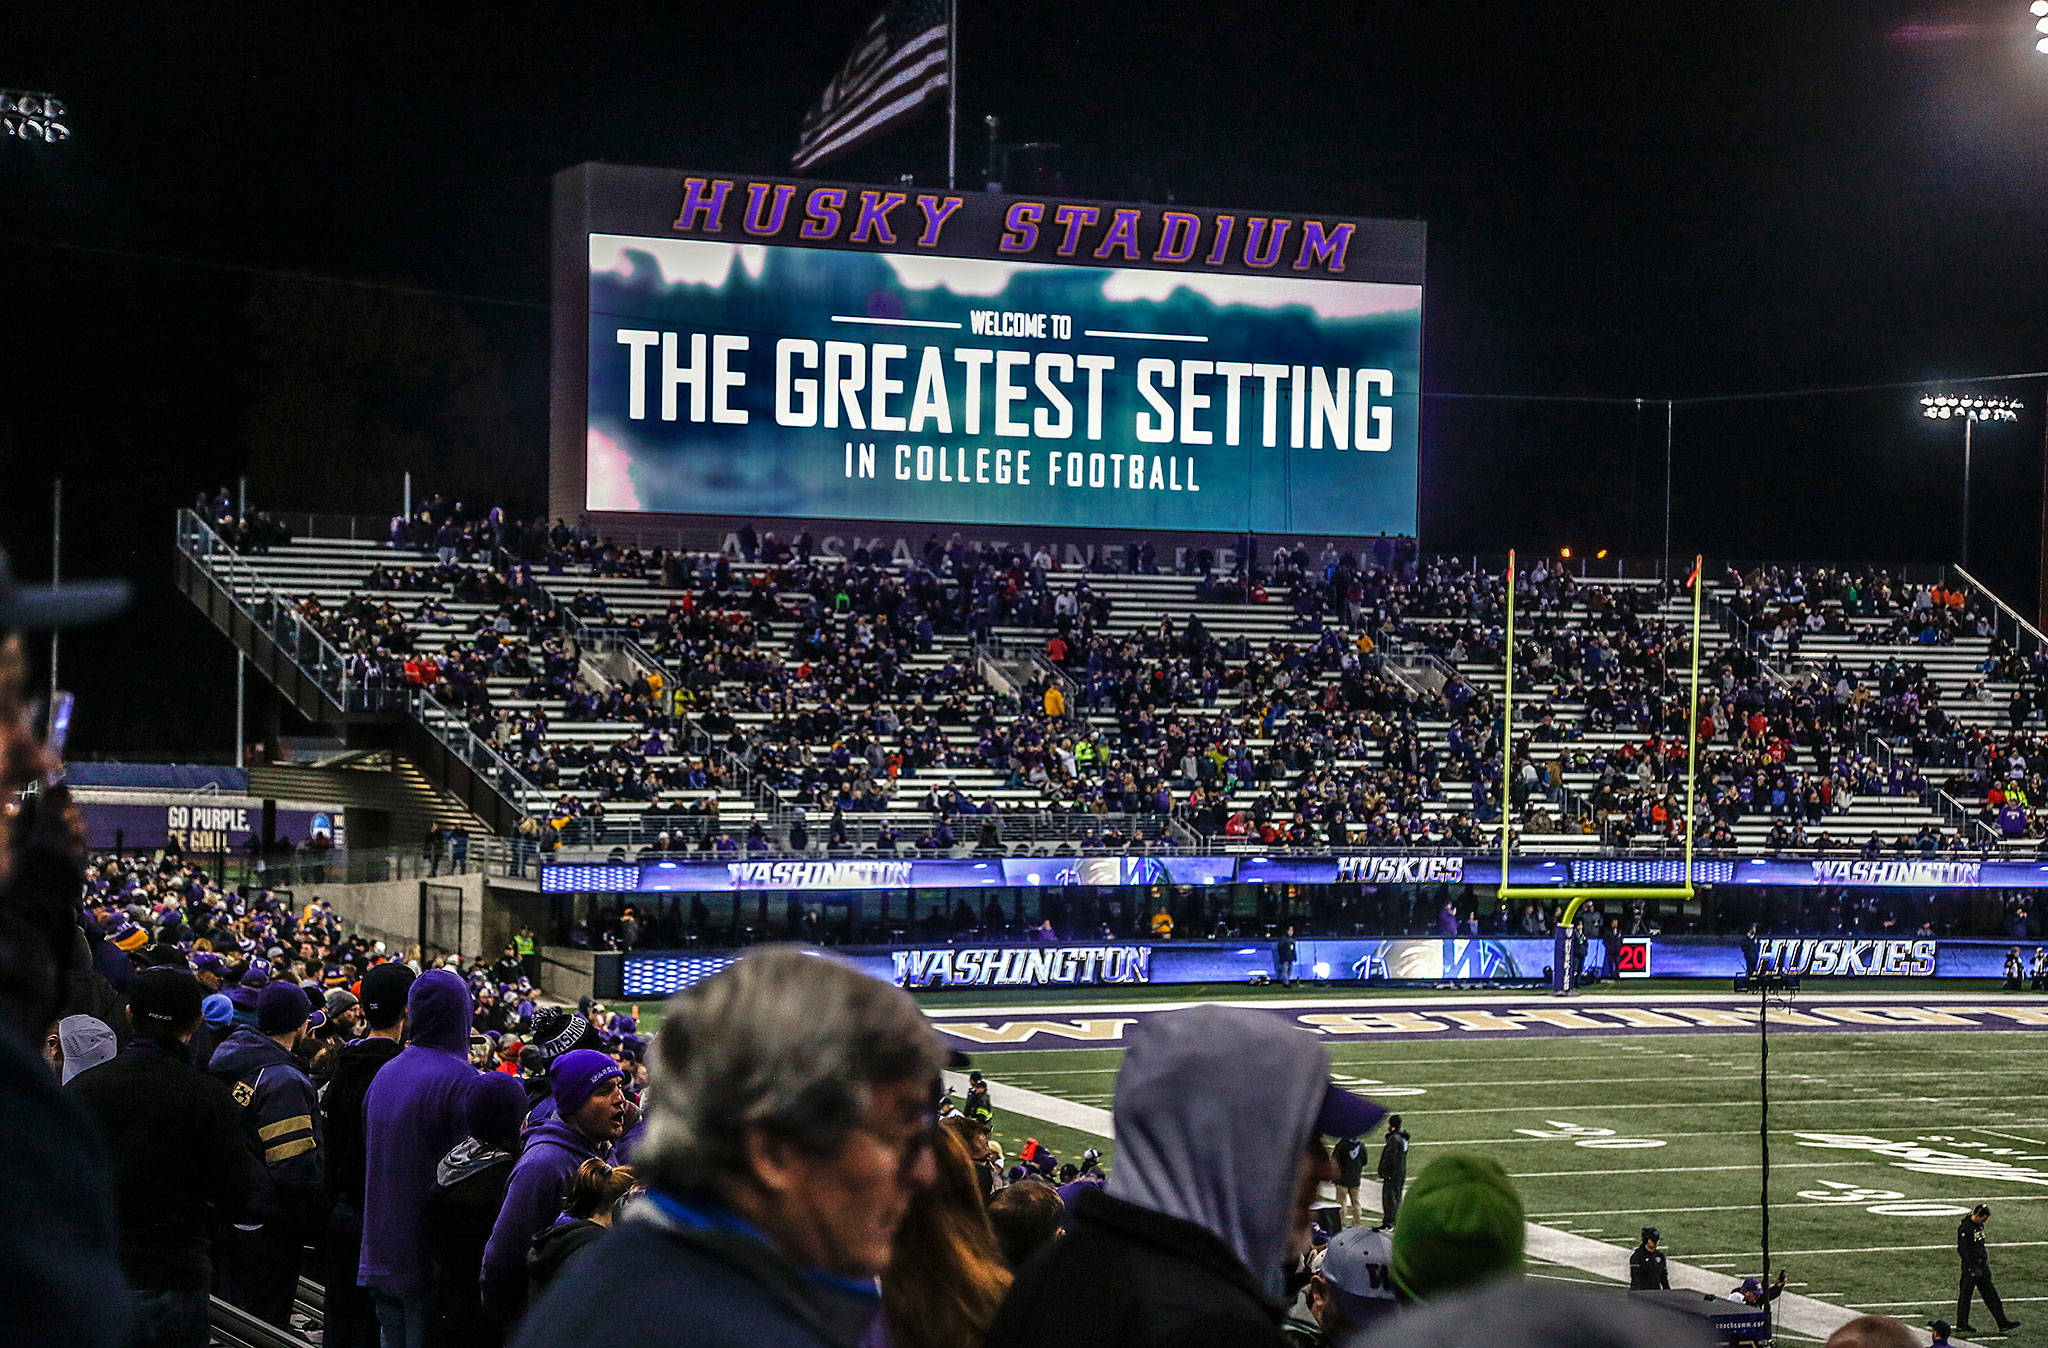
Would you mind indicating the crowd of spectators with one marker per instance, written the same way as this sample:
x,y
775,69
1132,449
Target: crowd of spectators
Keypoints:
x,y
834,684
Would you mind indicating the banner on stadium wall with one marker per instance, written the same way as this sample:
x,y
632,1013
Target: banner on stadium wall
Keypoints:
x,y
1394,959
771,347
203,824
1480,872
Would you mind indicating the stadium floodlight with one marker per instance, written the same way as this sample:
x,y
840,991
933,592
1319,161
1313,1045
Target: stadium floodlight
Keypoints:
x,y
1970,408
2039,7
33,116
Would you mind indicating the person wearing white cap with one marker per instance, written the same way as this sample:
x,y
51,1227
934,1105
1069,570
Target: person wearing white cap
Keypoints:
x,y
84,1042
1352,1289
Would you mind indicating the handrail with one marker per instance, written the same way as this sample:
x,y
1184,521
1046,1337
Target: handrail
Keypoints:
x,y
2039,639
197,540
481,755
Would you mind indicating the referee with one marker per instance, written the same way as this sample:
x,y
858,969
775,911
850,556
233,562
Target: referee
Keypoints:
x,y
1977,1272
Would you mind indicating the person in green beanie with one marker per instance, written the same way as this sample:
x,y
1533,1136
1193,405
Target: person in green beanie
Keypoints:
x,y
1461,1225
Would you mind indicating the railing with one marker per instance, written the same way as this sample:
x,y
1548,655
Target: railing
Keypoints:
x,y
2023,636
452,728
1145,832
317,658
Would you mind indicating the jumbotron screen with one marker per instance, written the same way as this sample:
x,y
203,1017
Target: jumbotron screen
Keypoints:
x,y
770,348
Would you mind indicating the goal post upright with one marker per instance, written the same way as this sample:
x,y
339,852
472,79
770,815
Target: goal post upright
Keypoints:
x,y
1575,896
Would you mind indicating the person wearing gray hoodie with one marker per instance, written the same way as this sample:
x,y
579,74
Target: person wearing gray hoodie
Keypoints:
x,y
1220,1114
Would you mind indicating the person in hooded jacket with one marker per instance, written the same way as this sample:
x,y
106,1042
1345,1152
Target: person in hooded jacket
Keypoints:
x,y
469,1190
150,1103
1210,1197
590,1115
280,1116
351,1316
595,1192
417,1109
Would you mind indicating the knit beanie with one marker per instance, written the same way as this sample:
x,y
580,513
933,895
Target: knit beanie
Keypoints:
x,y
1460,1225
577,1075
556,1032
496,1108
218,1011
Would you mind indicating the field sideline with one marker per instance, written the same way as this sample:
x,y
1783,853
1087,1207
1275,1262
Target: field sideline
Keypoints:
x,y
1881,1135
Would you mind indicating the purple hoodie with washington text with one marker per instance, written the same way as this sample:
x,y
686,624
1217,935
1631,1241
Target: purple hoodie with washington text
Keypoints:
x,y
415,1112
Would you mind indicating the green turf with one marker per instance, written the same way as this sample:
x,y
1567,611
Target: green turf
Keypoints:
x,y
1695,1097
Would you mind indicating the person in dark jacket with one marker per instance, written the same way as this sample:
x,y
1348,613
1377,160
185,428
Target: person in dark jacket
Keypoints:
x,y
1393,1171
1977,1272
790,1124
280,1116
1210,1196
1283,958
417,1108
60,1268
595,1192
351,1316
469,1191
590,1115
1647,1270
1349,1155
177,1150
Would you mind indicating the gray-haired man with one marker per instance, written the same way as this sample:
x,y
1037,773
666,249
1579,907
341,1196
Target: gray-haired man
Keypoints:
x,y
789,1124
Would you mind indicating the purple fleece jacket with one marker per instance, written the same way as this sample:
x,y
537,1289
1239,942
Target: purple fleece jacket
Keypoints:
x,y
533,1199
415,1111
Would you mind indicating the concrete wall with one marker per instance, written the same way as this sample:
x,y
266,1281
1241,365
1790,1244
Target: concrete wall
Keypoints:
x,y
390,910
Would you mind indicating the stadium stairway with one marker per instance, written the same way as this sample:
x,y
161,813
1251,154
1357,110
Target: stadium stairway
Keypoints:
x,y
390,802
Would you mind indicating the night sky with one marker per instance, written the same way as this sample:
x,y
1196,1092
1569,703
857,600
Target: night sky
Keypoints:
x,y
312,247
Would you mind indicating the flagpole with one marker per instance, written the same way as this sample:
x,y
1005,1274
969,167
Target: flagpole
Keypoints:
x,y
952,91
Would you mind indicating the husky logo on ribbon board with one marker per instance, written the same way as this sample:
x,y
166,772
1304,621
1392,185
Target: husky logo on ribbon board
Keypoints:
x,y
1844,958
1426,960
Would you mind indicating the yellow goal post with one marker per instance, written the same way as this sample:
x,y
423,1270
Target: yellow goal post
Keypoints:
x,y
1576,896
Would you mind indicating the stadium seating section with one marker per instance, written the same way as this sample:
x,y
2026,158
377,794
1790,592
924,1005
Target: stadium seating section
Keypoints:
x,y
695,701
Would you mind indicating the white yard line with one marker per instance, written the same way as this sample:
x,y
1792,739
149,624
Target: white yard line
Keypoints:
x,y
1877,1249
2035,1142
1799,1316
1609,1080
1679,1170
1751,1207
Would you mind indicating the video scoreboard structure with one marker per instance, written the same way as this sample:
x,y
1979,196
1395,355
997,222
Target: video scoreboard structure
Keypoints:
x,y
765,348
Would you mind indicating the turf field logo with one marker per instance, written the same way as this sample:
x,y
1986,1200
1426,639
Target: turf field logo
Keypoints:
x,y
1023,966
1401,870
1926,1160
1844,958
1910,872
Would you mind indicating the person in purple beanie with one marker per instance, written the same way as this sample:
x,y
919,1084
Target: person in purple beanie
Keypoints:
x,y
417,1108
590,1114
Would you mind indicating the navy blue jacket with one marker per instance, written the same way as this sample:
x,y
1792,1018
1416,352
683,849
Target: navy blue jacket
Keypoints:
x,y
280,1114
659,1284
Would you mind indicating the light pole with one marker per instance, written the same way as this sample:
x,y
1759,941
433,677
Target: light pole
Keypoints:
x,y
1968,408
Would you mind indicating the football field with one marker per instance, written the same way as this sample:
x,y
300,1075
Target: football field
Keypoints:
x,y
1889,1118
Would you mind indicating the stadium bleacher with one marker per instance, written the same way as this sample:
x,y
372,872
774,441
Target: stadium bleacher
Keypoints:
x,y
691,700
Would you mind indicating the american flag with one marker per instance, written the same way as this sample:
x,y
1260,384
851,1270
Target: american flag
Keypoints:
x,y
899,65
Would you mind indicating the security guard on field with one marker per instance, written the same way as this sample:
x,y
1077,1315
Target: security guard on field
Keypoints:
x,y
1646,1264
